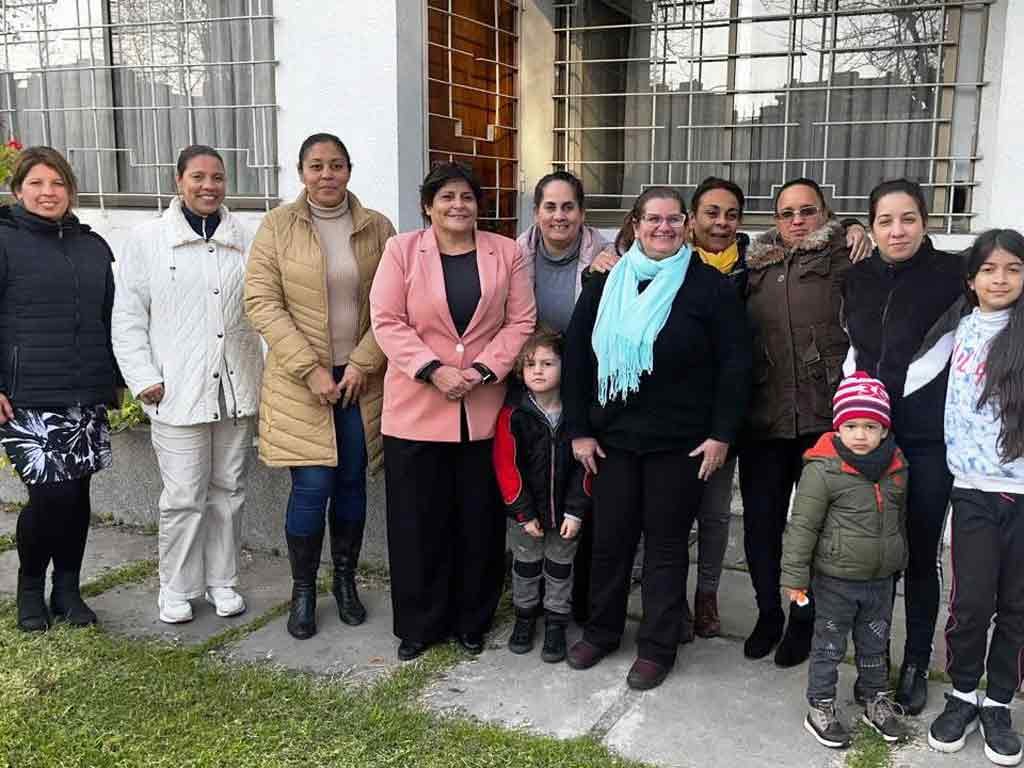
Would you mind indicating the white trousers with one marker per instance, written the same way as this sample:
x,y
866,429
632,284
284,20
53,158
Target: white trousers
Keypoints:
x,y
203,470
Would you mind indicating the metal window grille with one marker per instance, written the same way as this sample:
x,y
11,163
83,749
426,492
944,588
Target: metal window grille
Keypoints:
x,y
473,98
121,86
848,92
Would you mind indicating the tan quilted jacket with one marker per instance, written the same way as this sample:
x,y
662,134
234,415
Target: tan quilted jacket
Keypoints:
x,y
286,301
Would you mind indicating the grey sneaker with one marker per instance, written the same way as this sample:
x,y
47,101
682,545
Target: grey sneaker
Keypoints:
x,y
823,724
883,714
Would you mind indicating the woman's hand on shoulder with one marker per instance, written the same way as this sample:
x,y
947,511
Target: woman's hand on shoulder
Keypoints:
x,y
586,450
6,409
858,242
604,261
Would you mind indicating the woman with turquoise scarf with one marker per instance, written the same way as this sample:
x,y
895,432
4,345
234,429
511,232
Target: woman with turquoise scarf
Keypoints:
x,y
655,384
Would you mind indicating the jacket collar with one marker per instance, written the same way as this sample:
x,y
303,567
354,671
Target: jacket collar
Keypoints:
x,y
767,249
360,216
824,450
922,256
227,234
17,216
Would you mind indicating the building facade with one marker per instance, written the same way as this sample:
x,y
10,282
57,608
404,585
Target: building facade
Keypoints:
x,y
625,93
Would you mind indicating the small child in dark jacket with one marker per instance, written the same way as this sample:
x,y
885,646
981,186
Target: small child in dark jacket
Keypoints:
x,y
546,493
848,526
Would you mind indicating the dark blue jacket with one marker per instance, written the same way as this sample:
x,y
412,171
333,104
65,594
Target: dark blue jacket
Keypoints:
x,y
56,298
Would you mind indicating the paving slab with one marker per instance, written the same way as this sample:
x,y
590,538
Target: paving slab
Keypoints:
x,y
265,582
107,547
358,654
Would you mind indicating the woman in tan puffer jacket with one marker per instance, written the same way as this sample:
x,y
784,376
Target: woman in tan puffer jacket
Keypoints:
x,y
307,292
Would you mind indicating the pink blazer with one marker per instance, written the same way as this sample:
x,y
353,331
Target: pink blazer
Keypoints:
x,y
412,325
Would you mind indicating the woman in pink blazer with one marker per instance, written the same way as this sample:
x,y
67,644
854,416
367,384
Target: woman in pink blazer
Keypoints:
x,y
450,306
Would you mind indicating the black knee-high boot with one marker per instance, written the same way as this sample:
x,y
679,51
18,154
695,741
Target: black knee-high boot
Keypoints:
x,y
304,557
346,544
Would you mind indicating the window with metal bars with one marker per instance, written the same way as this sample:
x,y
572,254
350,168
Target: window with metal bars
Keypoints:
x,y
848,92
121,86
472,83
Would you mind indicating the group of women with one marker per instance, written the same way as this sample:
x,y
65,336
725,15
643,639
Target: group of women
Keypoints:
x,y
689,349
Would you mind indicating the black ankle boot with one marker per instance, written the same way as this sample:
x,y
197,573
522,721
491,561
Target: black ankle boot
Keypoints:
x,y
796,643
66,600
553,650
346,543
912,691
766,634
521,640
32,613
304,557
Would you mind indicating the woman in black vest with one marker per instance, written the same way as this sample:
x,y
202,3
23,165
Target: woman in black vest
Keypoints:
x,y
57,376
900,311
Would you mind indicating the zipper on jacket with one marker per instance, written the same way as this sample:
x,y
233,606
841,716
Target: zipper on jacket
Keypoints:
x,y
881,525
14,372
78,298
553,443
885,315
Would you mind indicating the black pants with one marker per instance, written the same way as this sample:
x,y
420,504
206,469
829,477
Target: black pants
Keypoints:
x,y
841,607
54,526
987,552
928,486
657,494
446,537
769,471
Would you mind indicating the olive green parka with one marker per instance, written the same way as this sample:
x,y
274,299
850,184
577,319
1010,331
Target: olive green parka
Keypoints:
x,y
848,526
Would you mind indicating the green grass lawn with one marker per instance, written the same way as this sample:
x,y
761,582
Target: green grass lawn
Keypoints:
x,y
86,698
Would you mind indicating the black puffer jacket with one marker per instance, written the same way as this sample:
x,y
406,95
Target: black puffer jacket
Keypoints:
x,y
901,319
537,474
56,297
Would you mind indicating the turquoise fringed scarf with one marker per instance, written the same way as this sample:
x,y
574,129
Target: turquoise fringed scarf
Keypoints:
x,y
628,322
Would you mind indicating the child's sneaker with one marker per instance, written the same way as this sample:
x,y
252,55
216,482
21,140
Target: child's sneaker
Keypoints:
x,y
883,714
949,731
824,725
521,640
1002,744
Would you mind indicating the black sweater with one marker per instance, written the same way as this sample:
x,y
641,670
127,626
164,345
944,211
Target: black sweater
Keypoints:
x,y
56,298
901,318
700,385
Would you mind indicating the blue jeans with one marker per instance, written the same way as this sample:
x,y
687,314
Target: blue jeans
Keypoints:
x,y
344,486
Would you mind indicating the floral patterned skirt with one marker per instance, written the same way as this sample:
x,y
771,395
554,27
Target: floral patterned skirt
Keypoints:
x,y
51,445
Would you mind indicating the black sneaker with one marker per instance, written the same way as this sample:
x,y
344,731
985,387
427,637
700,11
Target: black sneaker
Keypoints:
x,y
521,640
554,640
949,731
883,714
1002,744
824,725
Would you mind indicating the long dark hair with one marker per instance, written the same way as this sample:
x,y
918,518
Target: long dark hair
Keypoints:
x,y
624,240
1004,367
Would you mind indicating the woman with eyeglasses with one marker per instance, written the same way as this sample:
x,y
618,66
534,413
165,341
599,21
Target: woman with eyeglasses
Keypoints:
x,y
793,298
656,378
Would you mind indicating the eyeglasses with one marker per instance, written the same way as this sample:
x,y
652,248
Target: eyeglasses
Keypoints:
x,y
654,220
806,212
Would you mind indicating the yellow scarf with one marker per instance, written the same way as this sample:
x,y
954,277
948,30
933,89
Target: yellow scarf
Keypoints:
x,y
723,261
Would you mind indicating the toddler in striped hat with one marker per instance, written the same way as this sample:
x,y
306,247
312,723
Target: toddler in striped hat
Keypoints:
x,y
860,413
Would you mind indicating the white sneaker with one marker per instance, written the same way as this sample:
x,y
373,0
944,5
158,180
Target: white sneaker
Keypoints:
x,y
226,600
174,611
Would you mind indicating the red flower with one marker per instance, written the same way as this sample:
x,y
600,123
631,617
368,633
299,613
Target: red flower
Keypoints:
x,y
16,145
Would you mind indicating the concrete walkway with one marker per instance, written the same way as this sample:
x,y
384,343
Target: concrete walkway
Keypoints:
x,y
717,708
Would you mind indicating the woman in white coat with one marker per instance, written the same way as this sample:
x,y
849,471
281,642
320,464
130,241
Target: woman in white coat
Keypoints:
x,y
190,355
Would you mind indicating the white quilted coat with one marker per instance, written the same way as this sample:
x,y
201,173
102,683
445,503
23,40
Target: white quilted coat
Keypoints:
x,y
179,319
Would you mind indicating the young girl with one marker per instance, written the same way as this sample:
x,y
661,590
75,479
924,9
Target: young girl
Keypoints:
x,y
985,442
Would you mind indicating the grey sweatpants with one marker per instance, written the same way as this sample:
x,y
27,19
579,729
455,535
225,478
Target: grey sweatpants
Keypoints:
x,y
842,606
533,558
